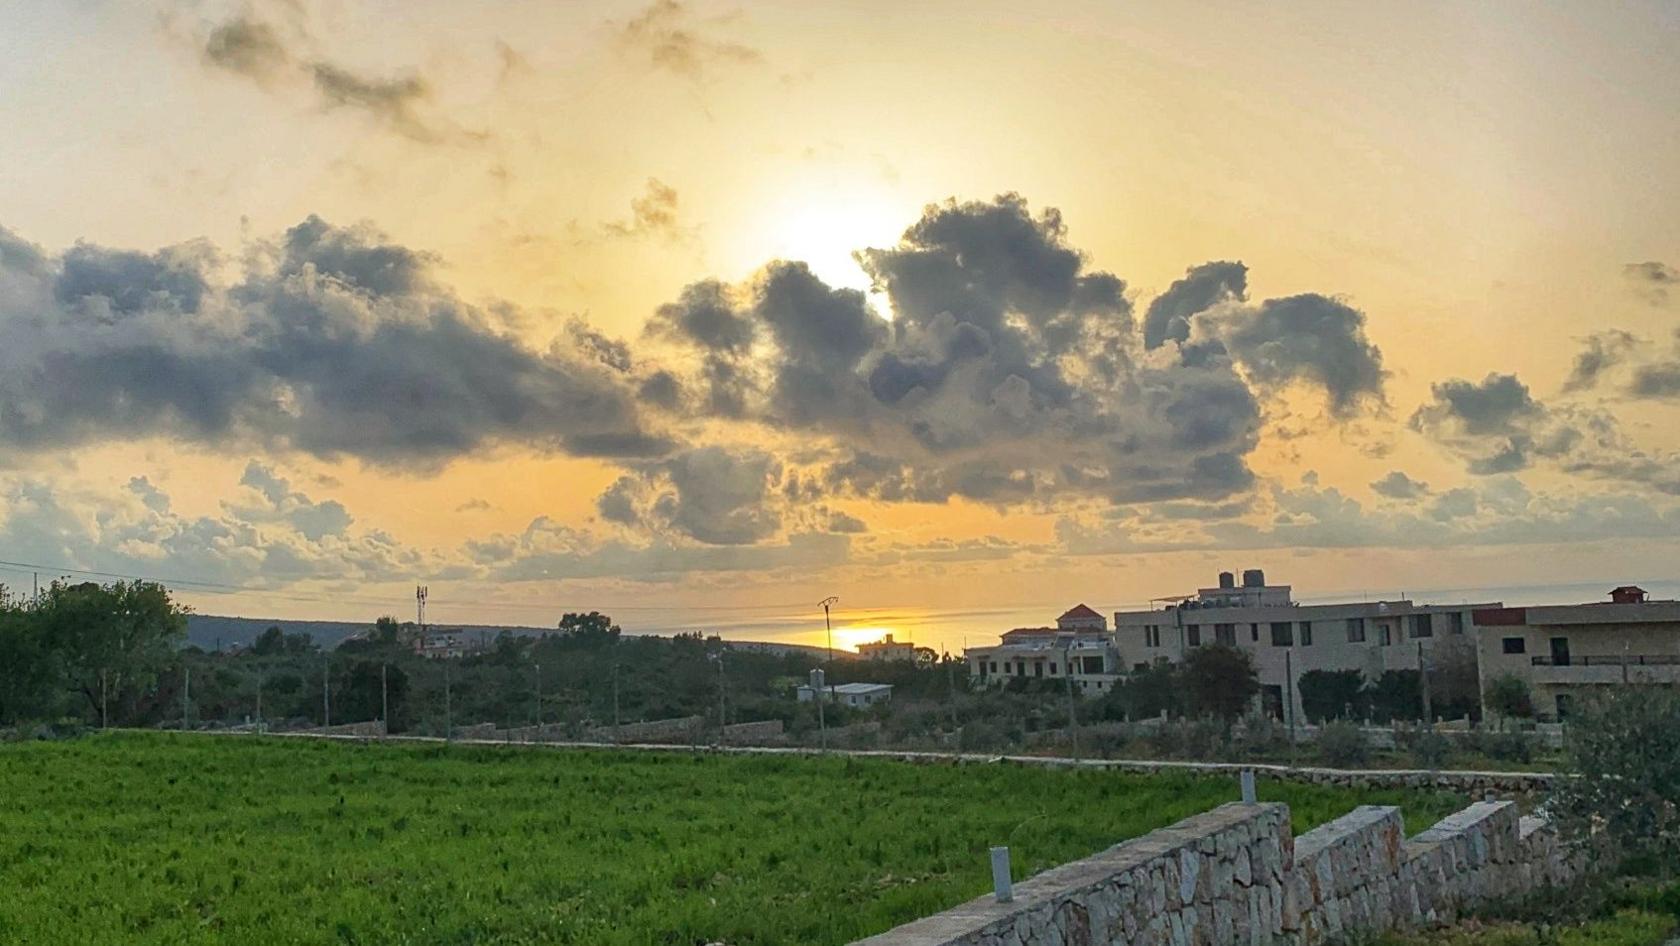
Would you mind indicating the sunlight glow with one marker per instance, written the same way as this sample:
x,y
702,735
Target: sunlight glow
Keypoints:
x,y
823,227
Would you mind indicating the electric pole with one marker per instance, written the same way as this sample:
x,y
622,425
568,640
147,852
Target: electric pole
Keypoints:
x,y
384,703
186,697
1073,713
448,725
259,699
1423,680
105,719
326,687
827,603
721,718
539,702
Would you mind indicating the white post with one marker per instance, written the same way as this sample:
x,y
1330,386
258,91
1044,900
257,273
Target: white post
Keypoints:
x,y
1248,795
1001,885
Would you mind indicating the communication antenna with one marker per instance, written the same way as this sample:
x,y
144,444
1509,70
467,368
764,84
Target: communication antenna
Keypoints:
x,y
825,604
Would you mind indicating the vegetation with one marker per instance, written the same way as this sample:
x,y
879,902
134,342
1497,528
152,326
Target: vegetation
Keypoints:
x,y
267,840
1221,680
1623,750
1508,697
1343,745
1626,927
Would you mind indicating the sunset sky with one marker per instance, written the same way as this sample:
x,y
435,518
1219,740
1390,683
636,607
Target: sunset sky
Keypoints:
x,y
697,312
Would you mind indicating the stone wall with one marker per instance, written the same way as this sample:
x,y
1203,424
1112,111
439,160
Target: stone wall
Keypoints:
x,y
476,731
547,732
1235,876
683,727
373,727
767,732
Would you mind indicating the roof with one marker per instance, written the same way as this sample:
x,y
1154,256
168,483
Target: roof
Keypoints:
x,y
861,688
1627,588
1079,611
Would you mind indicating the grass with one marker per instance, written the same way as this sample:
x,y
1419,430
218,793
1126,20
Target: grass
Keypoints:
x,y
1625,927
159,838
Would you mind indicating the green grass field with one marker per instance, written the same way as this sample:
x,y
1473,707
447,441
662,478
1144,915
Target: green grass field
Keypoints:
x,y
143,838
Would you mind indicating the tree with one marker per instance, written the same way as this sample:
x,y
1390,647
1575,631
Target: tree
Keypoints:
x,y
31,684
1333,694
588,630
1622,759
112,640
1397,694
1220,680
1509,697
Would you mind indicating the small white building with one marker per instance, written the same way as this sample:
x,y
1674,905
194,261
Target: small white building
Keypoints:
x,y
845,694
887,649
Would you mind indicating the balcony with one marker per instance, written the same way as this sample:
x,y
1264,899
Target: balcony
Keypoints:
x,y
1607,669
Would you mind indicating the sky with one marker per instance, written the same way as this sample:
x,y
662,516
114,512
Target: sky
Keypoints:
x,y
697,313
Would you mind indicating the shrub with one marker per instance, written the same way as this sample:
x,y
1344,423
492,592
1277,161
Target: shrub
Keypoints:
x,y
1221,680
1333,694
1622,752
1508,696
1342,745
1429,748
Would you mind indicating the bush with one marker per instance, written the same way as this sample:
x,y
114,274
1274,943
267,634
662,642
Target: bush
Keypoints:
x,y
1342,745
1623,753
1508,696
1429,748
1334,694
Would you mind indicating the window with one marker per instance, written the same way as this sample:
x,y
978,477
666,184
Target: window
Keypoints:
x,y
1306,633
1423,625
1356,630
1254,633
1515,645
1385,634
1225,634
1052,669
1283,634
1193,633
994,667
1152,635
1455,622
1093,665
1038,668
1099,684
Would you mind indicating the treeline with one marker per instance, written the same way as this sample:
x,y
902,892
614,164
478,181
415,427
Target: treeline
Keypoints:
x,y
113,654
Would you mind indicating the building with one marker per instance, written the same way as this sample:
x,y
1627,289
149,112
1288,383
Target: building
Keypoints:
x,y
1081,618
845,694
1564,652
1077,647
441,644
887,649
1287,639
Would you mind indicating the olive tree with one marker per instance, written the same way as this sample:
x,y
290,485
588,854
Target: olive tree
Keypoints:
x,y
1622,774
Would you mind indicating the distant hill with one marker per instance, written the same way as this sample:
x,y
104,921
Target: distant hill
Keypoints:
x,y
213,631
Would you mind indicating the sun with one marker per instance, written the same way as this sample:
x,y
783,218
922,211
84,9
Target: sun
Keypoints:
x,y
822,224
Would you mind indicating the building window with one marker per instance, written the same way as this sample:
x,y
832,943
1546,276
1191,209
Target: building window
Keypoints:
x,y
1152,635
1052,670
1515,645
1385,634
1193,633
1225,634
994,666
1455,622
1099,684
1283,634
1356,630
1306,633
1423,625
1254,633
1093,665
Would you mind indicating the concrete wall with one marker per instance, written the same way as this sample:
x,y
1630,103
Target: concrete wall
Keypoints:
x,y
373,727
769,731
1235,875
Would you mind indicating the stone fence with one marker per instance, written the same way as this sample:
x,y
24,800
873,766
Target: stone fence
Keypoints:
x,y
373,727
682,727
1235,875
765,732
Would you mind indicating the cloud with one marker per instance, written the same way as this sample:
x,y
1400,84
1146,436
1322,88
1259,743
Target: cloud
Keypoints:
x,y
654,213
253,49
475,504
716,495
667,37
1653,281
1603,351
1202,288
1309,338
1397,485
331,341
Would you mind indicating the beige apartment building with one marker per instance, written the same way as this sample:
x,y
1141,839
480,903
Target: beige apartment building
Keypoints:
x,y
1564,652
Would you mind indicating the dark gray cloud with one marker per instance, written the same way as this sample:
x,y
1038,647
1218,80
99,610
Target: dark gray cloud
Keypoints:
x,y
335,343
1497,405
1660,381
1397,485
717,495
1602,351
247,47
1653,281
1202,288
667,36
254,49
1309,338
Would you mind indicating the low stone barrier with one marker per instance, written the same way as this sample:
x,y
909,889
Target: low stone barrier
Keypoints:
x,y
1235,876
373,727
762,733
683,727
475,731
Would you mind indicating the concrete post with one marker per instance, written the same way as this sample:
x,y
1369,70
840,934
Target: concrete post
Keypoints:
x,y
1001,884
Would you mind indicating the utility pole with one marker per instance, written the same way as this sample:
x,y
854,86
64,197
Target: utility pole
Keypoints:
x,y
259,700
822,724
722,720
1423,680
104,717
448,725
827,603
1073,713
384,703
615,694
539,700
326,688
1289,696
186,697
